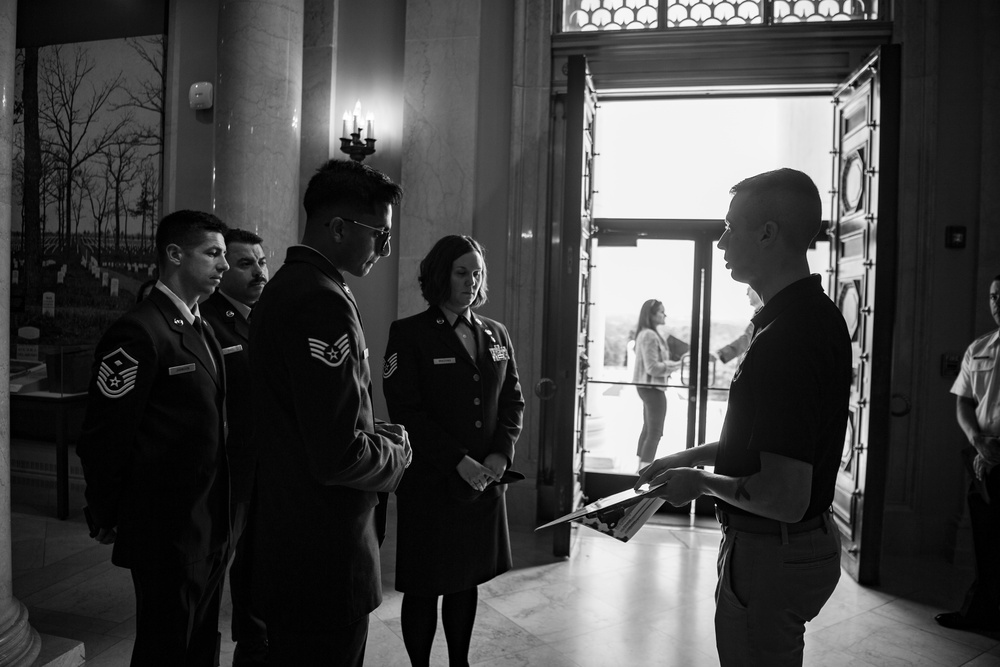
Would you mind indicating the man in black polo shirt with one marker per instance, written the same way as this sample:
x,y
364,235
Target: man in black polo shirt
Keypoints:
x,y
776,461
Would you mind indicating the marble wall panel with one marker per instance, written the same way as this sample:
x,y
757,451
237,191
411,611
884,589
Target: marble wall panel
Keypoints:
x,y
442,19
439,145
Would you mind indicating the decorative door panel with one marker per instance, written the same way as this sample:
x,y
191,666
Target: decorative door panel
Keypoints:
x,y
866,149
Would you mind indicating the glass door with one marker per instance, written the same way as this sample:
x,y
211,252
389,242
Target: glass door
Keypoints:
x,y
667,265
623,278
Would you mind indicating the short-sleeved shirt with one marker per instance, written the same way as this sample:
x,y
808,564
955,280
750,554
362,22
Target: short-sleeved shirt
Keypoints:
x,y
790,395
978,380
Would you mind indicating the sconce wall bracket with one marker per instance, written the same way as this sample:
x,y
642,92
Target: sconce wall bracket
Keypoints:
x,y
356,148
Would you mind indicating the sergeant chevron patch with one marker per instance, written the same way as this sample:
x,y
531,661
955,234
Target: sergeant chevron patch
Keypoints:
x,y
390,365
116,376
331,355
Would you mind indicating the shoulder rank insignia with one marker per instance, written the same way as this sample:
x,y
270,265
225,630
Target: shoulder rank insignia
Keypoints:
x,y
116,376
390,365
331,355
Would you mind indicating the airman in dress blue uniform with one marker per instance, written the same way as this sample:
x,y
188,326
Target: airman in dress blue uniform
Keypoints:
x,y
323,458
450,378
228,311
153,449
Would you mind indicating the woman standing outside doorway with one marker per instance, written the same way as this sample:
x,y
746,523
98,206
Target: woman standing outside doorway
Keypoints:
x,y
652,368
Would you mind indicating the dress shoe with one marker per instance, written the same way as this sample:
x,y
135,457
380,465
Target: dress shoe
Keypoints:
x,y
956,620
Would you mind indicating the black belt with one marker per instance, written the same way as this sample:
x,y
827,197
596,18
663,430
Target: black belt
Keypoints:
x,y
750,523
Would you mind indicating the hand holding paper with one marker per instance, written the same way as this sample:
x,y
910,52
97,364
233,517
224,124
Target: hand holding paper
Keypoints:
x,y
679,486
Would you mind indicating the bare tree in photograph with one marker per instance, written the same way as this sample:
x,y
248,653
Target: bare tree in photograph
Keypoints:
x,y
98,190
70,106
146,94
122,163
145,204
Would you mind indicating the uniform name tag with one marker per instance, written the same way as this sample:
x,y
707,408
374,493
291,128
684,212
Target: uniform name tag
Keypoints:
x,y
177,370
499,353
444,360
230,350
365,355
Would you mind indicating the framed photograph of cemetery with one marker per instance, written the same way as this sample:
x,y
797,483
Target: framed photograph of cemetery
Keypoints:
x,y
88,143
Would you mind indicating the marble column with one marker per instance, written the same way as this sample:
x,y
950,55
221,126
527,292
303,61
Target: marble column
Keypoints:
x,y
319,58
258,110
19,642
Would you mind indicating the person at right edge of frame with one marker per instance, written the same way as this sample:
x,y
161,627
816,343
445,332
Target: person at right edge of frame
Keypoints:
x,y
776,460
323,459
450,378
977,408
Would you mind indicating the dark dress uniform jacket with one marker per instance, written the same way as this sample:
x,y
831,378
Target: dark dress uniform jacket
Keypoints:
x,y
152,446
452,405
233,333
320,461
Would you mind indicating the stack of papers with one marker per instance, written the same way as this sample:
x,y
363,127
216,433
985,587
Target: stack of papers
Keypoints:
x,y
620,515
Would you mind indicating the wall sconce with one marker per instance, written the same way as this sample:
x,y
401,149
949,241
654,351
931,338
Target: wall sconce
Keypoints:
x,y
350,136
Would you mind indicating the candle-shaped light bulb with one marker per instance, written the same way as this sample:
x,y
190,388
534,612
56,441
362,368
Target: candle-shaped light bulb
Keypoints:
x,y
357,118
370,126
346,133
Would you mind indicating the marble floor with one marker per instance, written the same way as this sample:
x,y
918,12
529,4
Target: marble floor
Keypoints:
x,y
648,602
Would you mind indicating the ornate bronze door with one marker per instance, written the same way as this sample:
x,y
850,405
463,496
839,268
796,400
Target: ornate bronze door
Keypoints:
x,y
563,387
863,285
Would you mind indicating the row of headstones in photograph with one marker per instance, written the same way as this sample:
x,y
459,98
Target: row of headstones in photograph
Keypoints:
x,y
94,269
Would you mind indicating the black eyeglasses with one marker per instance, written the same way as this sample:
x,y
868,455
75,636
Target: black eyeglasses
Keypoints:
x,y
381,238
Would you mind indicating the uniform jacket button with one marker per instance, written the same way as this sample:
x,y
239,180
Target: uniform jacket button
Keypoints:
x,y
479,424
477,401
476,377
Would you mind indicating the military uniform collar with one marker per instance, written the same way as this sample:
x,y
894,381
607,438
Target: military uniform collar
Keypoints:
x,y
238,306
443,315
189,314
309,255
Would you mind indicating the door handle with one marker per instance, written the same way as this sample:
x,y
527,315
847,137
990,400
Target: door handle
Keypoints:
x,y
545,389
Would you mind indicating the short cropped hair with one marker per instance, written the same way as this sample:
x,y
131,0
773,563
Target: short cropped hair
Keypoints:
x,y
435,269
352,184
186,229
242,236
784,195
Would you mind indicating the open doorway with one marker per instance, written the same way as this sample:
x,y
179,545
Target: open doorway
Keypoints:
x,y
659,204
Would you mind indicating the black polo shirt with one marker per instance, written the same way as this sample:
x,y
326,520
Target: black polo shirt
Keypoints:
x,y
790,394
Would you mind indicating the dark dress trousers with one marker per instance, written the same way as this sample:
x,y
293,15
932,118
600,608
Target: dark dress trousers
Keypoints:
x,y
154,460
451,538
233,333
321,463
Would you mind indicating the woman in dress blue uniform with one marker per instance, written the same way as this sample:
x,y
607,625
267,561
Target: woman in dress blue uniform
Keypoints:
x,y
450,379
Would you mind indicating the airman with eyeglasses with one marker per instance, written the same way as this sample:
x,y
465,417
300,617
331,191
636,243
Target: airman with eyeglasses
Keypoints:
x,y
326,463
